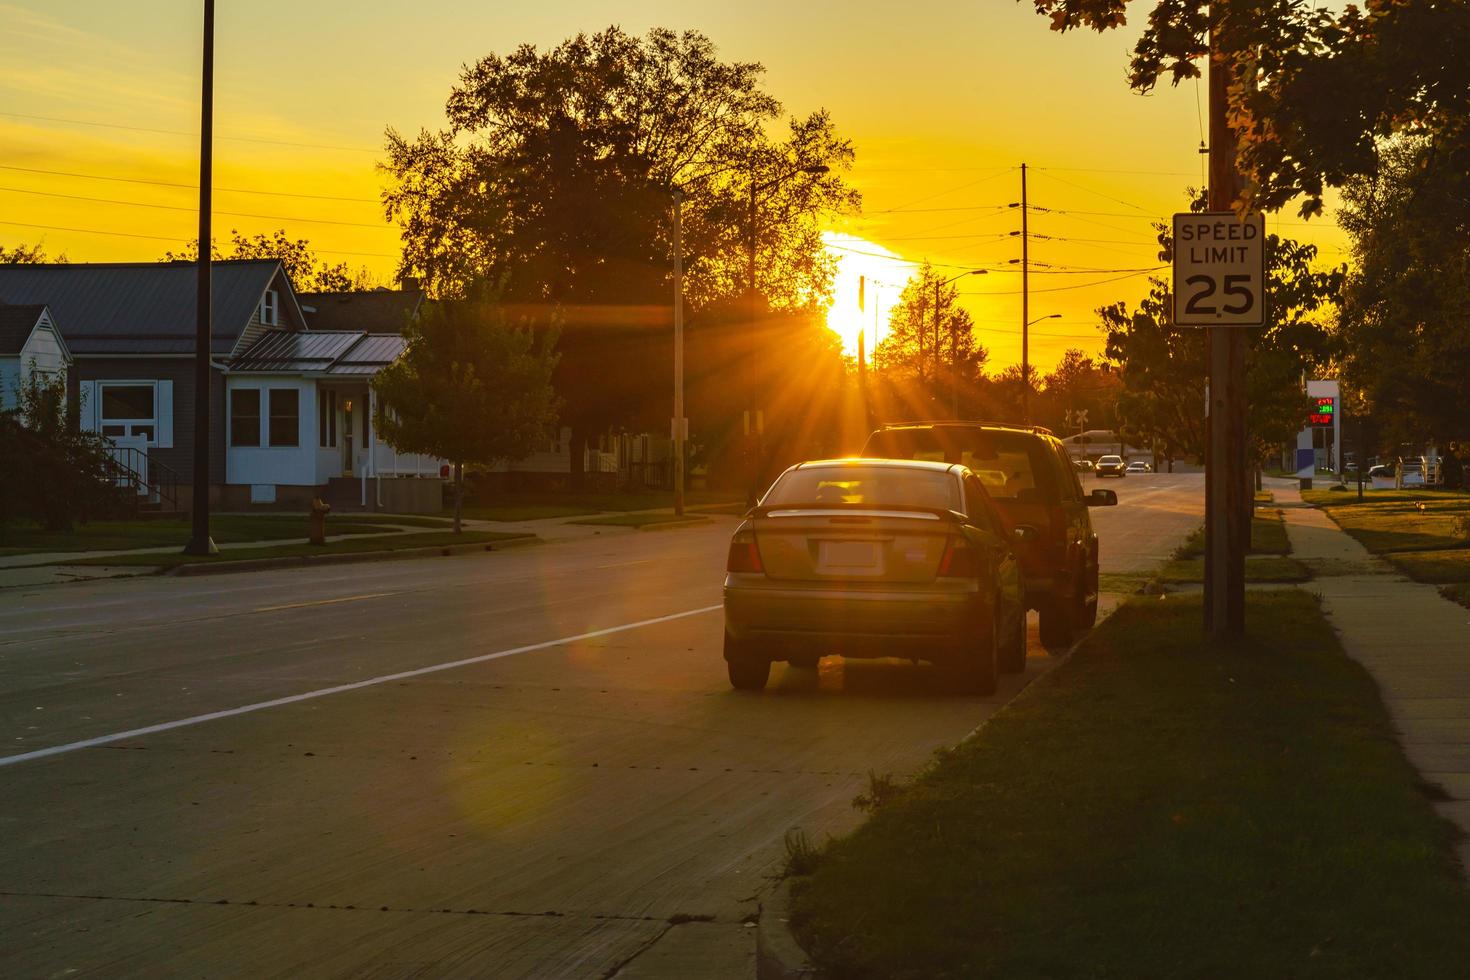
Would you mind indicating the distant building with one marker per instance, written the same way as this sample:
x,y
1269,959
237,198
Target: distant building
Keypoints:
x,y
30,345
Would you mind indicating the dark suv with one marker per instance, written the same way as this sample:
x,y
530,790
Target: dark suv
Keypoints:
x,y
1032,481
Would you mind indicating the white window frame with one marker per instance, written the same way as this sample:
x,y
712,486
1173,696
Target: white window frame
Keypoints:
x,y
270,308
128,424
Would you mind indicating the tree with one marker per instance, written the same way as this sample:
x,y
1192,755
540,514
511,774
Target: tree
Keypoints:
x,y
906,354
62,471
27,255
1405,322
1078,384
470,388
1313,89
1163,367
307,273
550,186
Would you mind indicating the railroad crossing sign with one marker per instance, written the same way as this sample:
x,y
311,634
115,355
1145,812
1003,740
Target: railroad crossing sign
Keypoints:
x,y
1219,270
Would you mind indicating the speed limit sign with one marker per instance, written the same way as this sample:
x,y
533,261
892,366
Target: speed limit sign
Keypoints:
x,y
1219,270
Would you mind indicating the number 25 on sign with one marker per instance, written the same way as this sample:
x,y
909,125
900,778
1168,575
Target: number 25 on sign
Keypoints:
x,y
1219,270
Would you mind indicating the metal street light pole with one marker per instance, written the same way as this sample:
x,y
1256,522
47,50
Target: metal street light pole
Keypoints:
x,y
753,418
200,542
680,426
954,346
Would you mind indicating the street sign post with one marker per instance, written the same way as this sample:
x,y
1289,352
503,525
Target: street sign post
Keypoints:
x,y
1219,270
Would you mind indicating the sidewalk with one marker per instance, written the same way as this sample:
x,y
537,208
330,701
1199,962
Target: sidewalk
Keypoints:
x,y
1414,642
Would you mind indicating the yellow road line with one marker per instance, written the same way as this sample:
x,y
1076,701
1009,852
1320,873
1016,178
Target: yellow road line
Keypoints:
x,y
326,602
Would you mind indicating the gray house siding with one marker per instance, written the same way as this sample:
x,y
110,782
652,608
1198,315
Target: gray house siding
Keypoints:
x,y
180,371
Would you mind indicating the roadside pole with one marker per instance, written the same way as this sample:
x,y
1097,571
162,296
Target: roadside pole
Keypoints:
x,y
1226,505
200,543
681,424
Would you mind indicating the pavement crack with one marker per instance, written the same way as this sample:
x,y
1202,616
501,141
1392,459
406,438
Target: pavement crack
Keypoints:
x,y
329,907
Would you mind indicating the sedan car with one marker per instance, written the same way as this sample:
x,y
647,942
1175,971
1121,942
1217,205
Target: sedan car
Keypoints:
x,y
1139,466
1111,466
875,558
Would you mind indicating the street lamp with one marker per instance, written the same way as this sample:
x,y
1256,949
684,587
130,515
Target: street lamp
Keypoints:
x,y
954,347
1026,364
754,418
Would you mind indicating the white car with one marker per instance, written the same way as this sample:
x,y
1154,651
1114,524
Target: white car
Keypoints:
x,y
1139,466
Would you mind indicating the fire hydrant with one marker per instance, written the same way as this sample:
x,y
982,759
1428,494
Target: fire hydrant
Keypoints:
x,y
318,518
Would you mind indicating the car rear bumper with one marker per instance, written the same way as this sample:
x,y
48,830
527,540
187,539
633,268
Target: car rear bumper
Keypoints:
x,y
857,623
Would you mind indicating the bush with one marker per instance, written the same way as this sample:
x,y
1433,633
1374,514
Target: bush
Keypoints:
x,y
59,474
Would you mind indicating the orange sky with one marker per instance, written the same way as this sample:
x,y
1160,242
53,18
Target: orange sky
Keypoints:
x,y
942,98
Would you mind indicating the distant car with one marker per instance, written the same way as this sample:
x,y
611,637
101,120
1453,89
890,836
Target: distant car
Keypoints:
x,y
1139,466
1083,465
1026,472
876,558
1111,466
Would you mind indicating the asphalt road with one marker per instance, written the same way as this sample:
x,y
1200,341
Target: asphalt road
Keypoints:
x,y
328,789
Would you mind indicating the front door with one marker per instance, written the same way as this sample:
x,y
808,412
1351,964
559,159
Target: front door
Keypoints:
x,y
347,438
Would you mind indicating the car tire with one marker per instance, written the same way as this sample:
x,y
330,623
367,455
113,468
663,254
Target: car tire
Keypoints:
x,y
1013,650
1056,623
973,669
804,661
748,671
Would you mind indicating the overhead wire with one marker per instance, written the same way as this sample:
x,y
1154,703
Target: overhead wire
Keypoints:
x,y
174,240
192,187
179,132
175,207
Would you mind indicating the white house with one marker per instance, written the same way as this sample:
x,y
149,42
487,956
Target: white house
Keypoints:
x,y
30,345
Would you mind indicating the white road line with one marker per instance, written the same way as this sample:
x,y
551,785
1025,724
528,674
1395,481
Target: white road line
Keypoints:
x,y
620,564
166,726
325,602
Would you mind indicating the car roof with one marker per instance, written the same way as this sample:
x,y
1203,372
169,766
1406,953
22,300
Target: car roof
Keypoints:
x,y
937,466
965,424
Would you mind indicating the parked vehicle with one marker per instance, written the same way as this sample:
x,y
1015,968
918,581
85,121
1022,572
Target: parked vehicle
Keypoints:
x,y
1111,466
876,558
1083,465
1028,476
1139,466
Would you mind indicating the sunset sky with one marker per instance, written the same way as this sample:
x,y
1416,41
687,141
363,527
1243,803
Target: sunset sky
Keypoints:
x,y
943,99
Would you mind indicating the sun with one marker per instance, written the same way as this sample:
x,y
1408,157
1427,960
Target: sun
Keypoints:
x,y
866,288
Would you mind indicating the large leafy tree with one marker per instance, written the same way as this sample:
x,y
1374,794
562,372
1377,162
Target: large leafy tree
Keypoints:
x,y
1163,367
1406,309
1079,383
1314,88
906,358
307,272
550,185
470,388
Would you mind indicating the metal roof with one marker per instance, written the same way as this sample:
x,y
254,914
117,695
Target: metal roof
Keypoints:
x,y
371,311
320,352
140,307
16,325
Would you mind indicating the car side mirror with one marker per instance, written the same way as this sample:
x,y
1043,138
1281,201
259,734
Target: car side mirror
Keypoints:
x,y
1103,498
1025,533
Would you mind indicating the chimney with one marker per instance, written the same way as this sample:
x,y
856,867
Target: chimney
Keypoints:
x,y
409,284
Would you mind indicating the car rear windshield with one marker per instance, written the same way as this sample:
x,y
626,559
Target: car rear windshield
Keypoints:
x,y
866,486
1015,466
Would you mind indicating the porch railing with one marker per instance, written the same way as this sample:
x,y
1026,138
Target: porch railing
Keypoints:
x,y
131,469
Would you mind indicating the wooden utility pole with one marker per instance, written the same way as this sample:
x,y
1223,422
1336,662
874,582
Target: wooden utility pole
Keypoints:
x,y
1025,309
1227,504
200,543
679,422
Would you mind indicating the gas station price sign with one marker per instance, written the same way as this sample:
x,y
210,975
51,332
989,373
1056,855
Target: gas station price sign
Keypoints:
x,y
1324,411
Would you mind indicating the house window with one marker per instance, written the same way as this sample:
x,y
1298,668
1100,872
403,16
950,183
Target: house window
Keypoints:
x,y
326,419
245,417
285,421
270,305
129,410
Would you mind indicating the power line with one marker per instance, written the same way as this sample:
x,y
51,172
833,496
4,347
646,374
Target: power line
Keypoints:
x,y
952,190
174,207
191,187
1089,190
175,241
178,132
1058,289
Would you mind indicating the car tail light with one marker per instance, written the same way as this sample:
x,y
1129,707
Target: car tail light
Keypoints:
x,y
744,555
960,560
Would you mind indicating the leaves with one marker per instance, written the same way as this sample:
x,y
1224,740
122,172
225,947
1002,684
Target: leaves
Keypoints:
x,y
307,273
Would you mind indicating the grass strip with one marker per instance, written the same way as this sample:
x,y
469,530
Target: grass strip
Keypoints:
x,y
351,546
638,520
1457,593
1268,536
1389,521
1158,807
1268,569
164,532
1433,566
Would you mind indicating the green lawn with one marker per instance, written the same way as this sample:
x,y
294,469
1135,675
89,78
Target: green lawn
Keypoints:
x,y
1457,593
540,506
349,546
1433,566
1158,807
1271,568
166,532
1390,520
639,520
1268,536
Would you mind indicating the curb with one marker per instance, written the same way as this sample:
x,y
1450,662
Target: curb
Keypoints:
x,y
353,558
671,525
778,956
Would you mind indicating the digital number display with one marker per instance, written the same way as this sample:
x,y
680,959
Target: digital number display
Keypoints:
x,y
1324,412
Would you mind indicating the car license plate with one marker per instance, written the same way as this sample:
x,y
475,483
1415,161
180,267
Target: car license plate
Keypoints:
x,y
848,554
